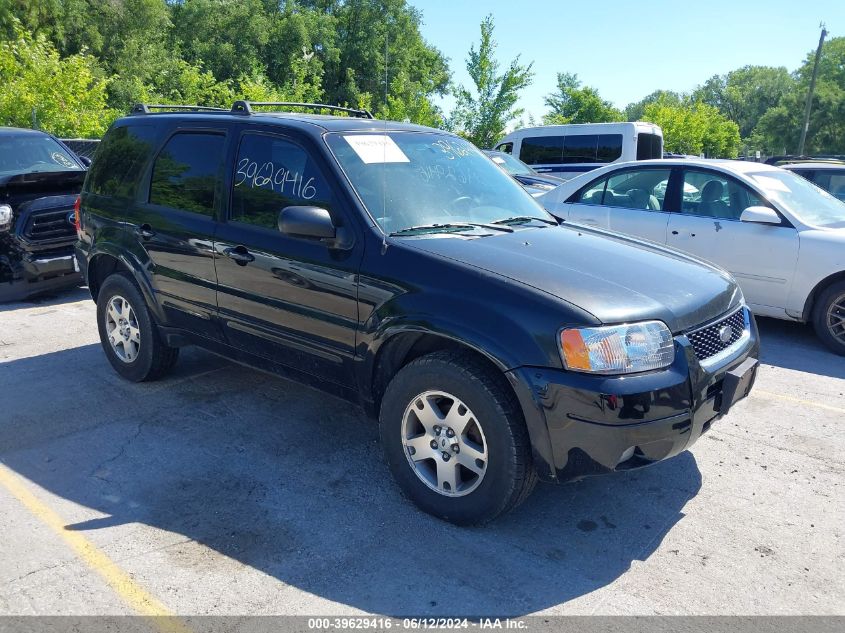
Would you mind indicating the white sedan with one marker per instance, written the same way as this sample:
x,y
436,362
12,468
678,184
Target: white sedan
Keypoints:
x,y
782,237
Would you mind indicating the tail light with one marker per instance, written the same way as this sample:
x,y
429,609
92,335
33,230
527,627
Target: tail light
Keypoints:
x,y
76,221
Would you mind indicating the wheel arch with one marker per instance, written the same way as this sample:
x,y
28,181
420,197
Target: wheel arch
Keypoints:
x,y
818,289
402,346
108,260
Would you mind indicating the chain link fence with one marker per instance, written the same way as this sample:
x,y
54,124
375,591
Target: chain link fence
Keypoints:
x,y
82,146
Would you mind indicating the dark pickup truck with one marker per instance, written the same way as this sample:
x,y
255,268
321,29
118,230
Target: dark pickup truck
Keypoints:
x,y
40,180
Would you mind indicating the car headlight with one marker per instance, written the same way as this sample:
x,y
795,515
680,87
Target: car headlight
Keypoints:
x,y
618,349
5,217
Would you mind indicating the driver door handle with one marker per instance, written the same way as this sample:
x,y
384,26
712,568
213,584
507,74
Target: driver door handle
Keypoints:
x,y
240,255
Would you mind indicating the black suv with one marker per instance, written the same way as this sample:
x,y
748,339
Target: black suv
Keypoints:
x,y
40,179
397,267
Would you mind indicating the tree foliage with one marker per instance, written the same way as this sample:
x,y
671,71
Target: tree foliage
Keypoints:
x,y
481,115
694,127
210,52
66,96
779,129
574,103
746,94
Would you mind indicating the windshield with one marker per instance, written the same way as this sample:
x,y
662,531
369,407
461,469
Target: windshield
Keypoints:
x,y
33,153
413,179
513,166
808,202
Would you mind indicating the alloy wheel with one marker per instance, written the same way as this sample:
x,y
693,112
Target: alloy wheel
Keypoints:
x,y
836,319
122,329
444,443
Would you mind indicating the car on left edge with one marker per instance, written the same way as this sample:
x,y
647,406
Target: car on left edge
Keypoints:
x,y
40,180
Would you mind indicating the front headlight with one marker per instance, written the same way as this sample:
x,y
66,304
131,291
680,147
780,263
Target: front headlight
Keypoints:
x,y
5,217
618,349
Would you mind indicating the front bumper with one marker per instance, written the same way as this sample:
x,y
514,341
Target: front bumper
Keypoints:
x,y
38,273
582,424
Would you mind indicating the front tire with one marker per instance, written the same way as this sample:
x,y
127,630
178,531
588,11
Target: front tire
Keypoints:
x,y
129,337
455,439
829,317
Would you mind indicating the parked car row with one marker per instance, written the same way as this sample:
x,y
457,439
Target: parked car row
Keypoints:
x,y
402,269
781,237
398,267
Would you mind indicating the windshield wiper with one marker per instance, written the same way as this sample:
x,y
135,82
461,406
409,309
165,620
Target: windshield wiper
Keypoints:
x,y
522,219
449,227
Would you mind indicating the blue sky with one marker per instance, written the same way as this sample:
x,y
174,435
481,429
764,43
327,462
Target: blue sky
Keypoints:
x,y
629,49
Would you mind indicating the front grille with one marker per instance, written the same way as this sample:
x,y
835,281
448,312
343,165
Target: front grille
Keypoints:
x,y
707,341
49,226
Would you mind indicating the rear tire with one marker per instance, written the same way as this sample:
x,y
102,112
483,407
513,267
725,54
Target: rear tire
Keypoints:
x,y
829,317
128,334
481,466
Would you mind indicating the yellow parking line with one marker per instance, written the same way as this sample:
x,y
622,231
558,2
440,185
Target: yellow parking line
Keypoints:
x,y
808,403
122,583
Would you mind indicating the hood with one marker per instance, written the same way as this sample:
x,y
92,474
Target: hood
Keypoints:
x,y
615,278
19,188
537,179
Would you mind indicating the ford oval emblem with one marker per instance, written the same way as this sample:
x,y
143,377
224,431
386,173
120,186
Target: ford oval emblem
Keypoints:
x,y
726,333
71,218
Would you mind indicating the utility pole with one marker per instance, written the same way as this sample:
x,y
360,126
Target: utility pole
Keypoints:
x,y
810,92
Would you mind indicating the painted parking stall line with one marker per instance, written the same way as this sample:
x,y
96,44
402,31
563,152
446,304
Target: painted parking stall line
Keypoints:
x,y
135,596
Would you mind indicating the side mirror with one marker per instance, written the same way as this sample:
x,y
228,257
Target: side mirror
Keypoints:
x,y
313,223
760,215
85,161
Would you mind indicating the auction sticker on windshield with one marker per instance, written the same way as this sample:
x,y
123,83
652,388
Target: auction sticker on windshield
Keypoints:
x,y
376,148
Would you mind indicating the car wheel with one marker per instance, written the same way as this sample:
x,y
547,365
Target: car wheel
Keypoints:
x,y
455,439
129,337
829,317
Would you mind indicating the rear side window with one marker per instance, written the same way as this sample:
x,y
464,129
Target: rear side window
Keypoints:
x,y
187,171
649,146
608,148
540,150
272,173
120,159
580,148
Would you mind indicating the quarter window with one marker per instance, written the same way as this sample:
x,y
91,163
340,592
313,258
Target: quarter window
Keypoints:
x,y
649,146
121,157
187,171
710,194
272,173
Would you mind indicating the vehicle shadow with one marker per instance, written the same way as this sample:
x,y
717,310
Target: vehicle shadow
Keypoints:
x,y
291,482
53,298
793,345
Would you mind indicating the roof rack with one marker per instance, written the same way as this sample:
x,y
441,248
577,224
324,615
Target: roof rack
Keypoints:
x,y
147,108
245,107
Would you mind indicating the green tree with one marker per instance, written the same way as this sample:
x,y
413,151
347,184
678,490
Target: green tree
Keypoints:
x,y
574,103
636,111
482,116
68,96
694,128
353,53
746,94
779,129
